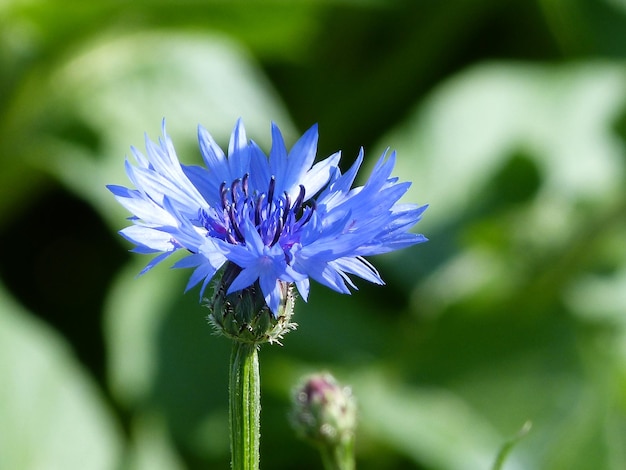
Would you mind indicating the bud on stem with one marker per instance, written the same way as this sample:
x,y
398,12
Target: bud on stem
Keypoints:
x,y
244,315
324,413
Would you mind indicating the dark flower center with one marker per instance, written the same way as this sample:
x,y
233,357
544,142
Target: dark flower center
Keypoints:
x,y
275,218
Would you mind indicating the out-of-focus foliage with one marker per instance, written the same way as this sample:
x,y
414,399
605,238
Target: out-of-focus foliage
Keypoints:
x,y
508,116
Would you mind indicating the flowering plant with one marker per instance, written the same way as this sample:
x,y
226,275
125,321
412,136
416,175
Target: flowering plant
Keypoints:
x,y
267,224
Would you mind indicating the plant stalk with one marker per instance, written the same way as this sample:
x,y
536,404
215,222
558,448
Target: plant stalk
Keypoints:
x,y
339,457
245,406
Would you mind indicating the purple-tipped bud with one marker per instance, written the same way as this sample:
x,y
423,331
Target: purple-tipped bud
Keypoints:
x,y
324,412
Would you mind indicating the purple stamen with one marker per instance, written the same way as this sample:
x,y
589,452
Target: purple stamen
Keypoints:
x,y
278,232
233,223
223,192
233,190
298,204
272,219
286,208
270,194
244,184
257,210
309,214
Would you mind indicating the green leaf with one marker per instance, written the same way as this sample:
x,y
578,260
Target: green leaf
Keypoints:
x,y
52,414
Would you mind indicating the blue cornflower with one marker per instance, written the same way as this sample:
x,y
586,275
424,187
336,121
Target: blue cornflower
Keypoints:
x,y
279,220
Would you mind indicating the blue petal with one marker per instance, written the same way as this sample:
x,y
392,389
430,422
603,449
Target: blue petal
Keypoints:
x,y
319,270
318,176
213,156
156,260
260,173
303,288
272,293
359,267
245,278
154,239
278,157
203,272
123,192
343,184
205,182
300,159
238,139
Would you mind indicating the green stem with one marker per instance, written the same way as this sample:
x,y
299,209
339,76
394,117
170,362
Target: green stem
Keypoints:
x,y
245,406
339,457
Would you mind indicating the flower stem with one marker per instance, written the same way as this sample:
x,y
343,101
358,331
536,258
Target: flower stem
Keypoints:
x,y
339,457
245,406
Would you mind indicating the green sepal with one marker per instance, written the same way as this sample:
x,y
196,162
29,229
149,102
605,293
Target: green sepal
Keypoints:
x,y
244,315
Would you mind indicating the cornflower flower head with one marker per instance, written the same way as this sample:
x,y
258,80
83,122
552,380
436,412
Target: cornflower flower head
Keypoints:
x,y
271,222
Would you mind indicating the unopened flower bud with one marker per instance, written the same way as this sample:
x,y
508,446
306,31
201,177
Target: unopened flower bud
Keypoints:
x,y
244,315
324,412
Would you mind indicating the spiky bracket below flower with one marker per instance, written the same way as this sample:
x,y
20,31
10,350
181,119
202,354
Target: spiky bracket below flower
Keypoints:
x,y
244,316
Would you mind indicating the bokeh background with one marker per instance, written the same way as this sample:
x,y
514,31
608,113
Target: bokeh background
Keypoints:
x,y
508,116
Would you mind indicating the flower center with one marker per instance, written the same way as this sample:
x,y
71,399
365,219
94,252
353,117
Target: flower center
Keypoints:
x,y
275,218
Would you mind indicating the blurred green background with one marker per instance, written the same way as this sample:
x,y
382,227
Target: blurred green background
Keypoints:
x,y
508,116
